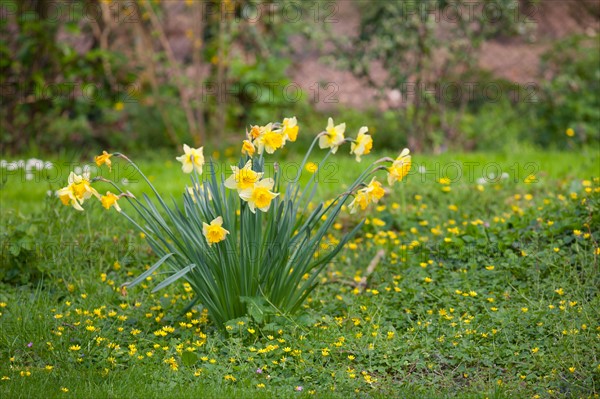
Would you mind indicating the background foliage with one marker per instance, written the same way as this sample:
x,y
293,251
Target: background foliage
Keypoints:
x,y
108,74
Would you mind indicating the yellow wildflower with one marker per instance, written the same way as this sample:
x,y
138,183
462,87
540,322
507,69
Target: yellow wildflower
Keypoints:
x,y
311,167
570,132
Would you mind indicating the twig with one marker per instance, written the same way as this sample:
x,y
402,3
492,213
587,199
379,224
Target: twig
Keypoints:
x,y
370,269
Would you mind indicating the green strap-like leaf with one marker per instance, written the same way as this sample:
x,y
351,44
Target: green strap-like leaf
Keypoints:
x,y
148,272
174,277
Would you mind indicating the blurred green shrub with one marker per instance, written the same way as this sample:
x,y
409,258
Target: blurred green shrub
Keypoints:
x,y
569,97
51,94
261,90
418,54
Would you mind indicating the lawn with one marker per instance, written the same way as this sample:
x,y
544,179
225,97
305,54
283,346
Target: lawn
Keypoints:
x,y
477,276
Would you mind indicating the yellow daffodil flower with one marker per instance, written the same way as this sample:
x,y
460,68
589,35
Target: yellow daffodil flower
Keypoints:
x,y
290,128
363,143
259,196
214,232
82,186
248,148
193,158
400,167
255,132
109,200
78,190
244,178
375,190
270,140
334,136
104,159
67,197
361,200
370,194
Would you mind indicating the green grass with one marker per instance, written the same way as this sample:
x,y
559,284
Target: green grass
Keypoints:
x,y
441,321
22,195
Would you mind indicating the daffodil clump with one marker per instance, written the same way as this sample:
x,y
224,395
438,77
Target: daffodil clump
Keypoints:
x,y
247,241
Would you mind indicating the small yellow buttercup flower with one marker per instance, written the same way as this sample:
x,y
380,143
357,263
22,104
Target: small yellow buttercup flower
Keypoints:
x,y
290,128
214,232
400,167
260,195
311,167
333,137
109,200
104,159
193,158
570,132
243,178
363,143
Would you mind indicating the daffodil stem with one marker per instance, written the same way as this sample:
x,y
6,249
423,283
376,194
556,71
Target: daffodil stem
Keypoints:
x,y
128,195
142,174
307,155
384,159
